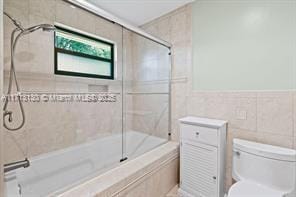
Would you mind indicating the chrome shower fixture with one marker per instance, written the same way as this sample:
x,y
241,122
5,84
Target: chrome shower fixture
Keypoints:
x,y
21,31
44,27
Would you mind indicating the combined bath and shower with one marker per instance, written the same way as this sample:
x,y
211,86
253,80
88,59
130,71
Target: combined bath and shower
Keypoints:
x,y
20,31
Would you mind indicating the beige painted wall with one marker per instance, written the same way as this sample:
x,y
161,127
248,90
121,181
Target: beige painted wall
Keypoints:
x,y
262,116
238,45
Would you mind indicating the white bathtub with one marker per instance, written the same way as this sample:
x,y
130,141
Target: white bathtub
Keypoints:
x,y
57,171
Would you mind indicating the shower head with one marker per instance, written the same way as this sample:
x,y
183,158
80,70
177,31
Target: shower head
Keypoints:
x,y
44,27
48,27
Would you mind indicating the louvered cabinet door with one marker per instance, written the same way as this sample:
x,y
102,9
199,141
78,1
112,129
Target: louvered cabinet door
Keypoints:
x,y
199,169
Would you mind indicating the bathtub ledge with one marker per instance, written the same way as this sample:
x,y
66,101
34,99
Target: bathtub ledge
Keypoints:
x,y
115,180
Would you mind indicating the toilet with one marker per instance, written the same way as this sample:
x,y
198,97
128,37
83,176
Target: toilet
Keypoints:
x,y
262,170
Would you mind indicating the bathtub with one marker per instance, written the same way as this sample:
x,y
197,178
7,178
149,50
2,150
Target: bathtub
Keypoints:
x,y
58,171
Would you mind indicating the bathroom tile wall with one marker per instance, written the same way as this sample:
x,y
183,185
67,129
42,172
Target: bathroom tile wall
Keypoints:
x,y
158,183
128,79
53,126
265,117
67,124
150,87
261,116
175,28
151,175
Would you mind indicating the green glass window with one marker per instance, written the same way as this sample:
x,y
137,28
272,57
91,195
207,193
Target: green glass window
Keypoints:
x,y
81,55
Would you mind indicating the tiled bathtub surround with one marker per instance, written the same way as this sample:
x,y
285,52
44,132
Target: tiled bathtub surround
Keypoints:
x,y
175,28
147,98
262,116
52,126
143,65
152,174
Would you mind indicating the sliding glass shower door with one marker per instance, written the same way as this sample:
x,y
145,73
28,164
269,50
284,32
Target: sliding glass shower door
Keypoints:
x,y
68,135
146,91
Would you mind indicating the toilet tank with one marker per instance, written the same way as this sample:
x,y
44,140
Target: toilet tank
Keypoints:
x,y
271,166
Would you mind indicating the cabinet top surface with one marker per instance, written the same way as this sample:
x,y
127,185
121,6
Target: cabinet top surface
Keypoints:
x,y
213,123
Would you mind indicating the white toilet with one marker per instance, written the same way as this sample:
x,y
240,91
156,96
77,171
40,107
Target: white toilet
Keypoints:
x,y
262,170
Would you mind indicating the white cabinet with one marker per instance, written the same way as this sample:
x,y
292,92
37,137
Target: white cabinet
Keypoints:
x,y
202,157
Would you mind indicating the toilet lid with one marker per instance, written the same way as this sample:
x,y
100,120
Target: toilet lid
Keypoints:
x,y
249,189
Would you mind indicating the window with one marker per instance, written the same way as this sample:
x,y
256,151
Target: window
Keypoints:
x,y
82,55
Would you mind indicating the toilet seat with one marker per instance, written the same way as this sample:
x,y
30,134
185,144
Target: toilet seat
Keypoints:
x,y
250,189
